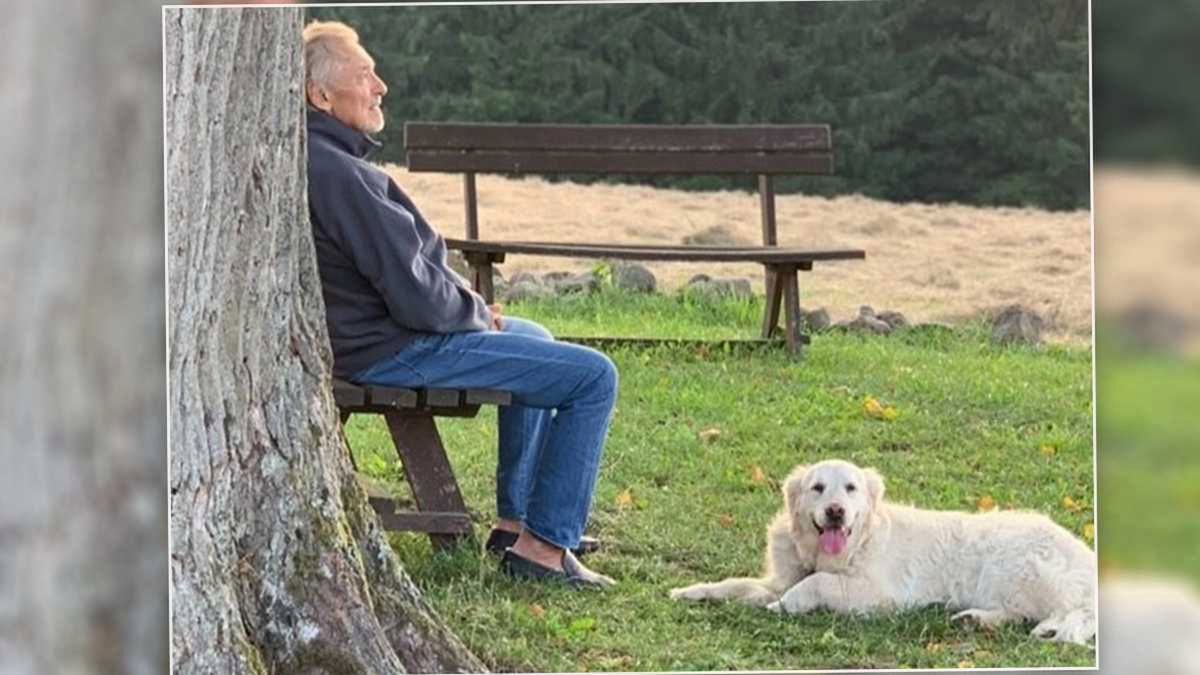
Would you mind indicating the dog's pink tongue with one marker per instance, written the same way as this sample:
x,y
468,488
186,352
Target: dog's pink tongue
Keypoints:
x,y
833,541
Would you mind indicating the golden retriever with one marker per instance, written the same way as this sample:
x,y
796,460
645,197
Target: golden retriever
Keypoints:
x,y
838,544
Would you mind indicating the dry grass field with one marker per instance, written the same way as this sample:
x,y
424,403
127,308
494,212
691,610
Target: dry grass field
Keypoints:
x,y
933,262
1148,243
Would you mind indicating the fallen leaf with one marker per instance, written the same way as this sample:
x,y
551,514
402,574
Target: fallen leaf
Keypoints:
x,y
757,476
625,498
1048,450
1089,531
873,408
966,664
537,610
1072,505
725,520
933,647
710,434
985,503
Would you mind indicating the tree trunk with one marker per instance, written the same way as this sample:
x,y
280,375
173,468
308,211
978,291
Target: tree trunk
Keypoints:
x,y
277,562
83,565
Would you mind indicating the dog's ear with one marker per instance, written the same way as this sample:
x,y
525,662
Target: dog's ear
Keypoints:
x,y
792,485
875,486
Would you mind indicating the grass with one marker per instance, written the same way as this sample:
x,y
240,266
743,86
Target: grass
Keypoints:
x,y
1148,469
674,505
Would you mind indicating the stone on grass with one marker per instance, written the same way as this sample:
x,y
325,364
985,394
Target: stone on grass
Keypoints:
x,y
704,285
521,277
1147,325
893,319
554,278
866,322
586,282
633,277
526,289
816,320
1017,325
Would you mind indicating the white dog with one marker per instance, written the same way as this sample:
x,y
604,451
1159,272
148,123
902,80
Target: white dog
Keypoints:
x,y
838,544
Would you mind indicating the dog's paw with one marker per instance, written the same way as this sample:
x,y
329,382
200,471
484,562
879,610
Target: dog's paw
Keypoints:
x,y
693,592
986,619
1075,627
775,607
970,617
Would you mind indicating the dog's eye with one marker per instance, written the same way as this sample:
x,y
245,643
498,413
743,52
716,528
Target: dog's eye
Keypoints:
x,y
850,487
819,488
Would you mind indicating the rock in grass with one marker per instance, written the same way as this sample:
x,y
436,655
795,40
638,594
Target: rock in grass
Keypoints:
x,y
527,289
633,277
586,282
866,322
1017,325
893,319
522,277
704,285
816,320
554,278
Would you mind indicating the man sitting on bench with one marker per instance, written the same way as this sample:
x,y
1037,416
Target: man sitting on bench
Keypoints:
x,y
399,316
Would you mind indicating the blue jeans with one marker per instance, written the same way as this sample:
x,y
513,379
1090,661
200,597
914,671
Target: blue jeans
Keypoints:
x,y
552,435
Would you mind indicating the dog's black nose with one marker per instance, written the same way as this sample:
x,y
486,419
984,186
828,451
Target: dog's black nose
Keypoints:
x,y
834,514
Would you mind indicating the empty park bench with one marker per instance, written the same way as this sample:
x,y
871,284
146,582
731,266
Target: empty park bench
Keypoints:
x,y
409,413
765,151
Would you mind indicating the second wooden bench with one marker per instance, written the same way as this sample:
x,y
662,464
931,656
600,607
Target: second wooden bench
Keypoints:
x,y
762,150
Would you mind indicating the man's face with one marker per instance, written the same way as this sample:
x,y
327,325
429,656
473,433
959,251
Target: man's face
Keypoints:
x,y
356,93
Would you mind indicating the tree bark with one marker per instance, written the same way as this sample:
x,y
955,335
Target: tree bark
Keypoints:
x,y
277,562
83,565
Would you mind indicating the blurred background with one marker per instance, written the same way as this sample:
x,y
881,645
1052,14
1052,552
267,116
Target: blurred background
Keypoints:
x,y
82,435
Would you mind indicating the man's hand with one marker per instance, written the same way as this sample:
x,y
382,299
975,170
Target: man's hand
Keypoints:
x,y
496,319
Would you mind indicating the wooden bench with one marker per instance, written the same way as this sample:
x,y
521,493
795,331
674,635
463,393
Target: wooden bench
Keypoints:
x,y
765,151
409,413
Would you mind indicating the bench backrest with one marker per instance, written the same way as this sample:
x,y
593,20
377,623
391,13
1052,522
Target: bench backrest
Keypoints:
x,y
599,148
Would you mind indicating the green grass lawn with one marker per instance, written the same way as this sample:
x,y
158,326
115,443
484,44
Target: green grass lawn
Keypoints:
x,y
1149,469
699,441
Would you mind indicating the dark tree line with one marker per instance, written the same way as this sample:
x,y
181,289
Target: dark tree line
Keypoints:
x,y
979,101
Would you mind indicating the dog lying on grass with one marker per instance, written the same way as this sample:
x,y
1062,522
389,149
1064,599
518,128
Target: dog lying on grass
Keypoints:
x,y
838,544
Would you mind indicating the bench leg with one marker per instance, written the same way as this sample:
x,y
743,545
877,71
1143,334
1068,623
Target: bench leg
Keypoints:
x,y
774,298
481,273
791,307
428,469
484,281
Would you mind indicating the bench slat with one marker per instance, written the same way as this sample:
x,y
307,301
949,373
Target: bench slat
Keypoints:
x,y
759,254
346,394
788,138
391,396
487,397
442,398
432,522
509,161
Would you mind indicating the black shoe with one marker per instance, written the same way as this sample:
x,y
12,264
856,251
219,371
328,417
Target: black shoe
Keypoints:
x,y
572,573
499,540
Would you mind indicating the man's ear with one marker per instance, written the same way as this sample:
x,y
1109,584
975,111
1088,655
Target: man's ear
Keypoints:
x,y
793,485
317,97
875,486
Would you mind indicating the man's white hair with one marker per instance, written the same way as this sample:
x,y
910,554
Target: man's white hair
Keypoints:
x,y
324,45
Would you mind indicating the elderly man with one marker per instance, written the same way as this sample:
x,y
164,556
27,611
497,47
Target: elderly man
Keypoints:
x,y
399,316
